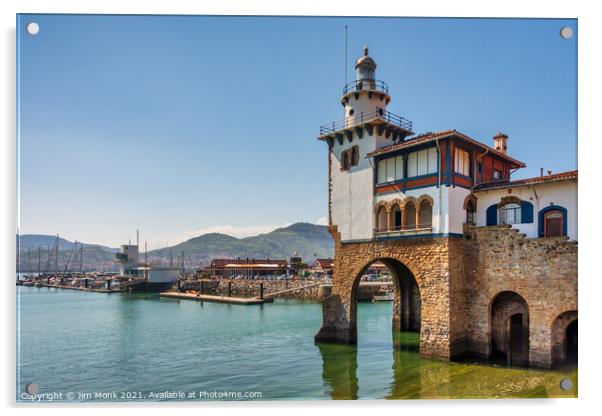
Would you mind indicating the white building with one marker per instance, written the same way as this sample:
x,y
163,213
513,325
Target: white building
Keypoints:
x,y
127,257
385,182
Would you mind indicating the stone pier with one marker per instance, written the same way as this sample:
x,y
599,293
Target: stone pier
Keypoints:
x,y
458,290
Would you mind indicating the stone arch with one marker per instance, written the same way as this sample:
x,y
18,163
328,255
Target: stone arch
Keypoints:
x,y
563,344
396,214
380,204
509,328
407,302
396,201
425,197
469,201
425,213
410,210
439,338
381,216
409,199
470,206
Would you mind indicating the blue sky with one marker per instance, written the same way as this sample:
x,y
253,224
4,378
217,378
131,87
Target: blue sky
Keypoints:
x,y
178,125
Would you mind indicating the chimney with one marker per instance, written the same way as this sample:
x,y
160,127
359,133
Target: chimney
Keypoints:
x,y
500,142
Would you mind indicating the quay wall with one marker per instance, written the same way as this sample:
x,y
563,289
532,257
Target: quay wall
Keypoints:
x,y
250,288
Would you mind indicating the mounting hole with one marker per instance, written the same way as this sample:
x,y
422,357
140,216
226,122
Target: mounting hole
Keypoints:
x,y
566,384
33,28
566,32
32,388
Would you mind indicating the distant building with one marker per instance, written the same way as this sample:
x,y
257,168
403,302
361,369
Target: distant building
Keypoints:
x,y
152,278
246,268
376,268
323,266
295,260
127,257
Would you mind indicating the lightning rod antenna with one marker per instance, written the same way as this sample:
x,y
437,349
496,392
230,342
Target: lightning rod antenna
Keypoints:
x,y
346,51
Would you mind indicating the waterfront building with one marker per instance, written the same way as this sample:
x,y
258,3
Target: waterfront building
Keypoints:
x,y
246,268
151,277
483,264
323,267
128,258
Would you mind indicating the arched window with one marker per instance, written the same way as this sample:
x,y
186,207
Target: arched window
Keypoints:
x,y
410,216
425,214
553,221
381,219
397,217
470,212
510,214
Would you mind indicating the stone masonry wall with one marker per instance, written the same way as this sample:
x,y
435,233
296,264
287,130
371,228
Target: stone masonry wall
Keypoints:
x,y
427,259
542,271
458,279
250,288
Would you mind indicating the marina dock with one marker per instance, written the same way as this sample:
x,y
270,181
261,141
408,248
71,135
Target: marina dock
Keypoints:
x,y
217,299
85,289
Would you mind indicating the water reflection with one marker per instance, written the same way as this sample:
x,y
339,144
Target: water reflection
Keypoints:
x,y
406,380
339,370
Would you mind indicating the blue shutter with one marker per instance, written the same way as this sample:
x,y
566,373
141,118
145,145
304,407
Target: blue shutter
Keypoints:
x,y
526,209
492,215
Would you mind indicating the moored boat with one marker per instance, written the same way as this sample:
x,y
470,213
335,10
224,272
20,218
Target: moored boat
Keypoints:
x,y
385,294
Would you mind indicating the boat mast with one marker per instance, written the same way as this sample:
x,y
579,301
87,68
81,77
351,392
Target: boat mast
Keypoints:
x,y
56,255
29,268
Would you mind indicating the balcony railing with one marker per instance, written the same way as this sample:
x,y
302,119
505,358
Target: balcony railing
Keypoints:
x,y
364,117
404,228
366,85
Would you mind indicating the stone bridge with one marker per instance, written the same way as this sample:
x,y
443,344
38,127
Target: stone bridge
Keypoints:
x,y
490,293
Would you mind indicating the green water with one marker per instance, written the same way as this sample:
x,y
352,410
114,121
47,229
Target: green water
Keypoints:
x,y
71,341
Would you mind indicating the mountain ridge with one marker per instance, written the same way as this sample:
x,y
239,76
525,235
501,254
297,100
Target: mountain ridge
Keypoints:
x,y
307,240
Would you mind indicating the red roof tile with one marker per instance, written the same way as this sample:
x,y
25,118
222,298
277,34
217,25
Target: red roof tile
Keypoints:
x,y
325,263
428,137
556,177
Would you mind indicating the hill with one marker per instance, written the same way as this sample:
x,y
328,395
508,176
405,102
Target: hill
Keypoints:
x,y
33,241
307,240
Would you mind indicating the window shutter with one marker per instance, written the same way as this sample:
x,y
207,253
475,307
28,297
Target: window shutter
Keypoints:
x,y
492,215
526,209
356,155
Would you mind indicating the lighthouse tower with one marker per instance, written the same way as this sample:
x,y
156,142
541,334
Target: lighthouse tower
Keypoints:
x,y
366,127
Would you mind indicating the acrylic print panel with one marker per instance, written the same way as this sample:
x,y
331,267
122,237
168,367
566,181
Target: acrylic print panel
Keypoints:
x,y
204,215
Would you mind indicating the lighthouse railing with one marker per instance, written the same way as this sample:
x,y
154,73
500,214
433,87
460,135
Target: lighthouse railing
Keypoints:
x,y
365,117
366,85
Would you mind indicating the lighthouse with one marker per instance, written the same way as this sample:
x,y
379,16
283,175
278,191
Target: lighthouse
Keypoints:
x,y
367,126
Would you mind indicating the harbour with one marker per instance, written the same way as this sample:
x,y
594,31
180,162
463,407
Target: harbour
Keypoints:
x,y
78,341
425,251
